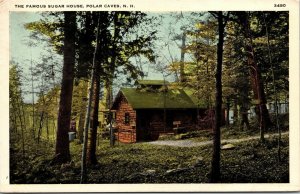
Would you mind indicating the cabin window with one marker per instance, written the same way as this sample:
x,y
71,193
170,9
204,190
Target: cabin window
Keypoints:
x,y
127,118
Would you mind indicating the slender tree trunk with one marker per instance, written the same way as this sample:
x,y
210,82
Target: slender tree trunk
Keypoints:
x,y
83,177
53,128
165,102
110,81
41,126
12,124
62,150
235,110
32,92
111,130
215,163
82,112
275,92
22,126
91,150
227,112
81,123
182,76
14,120
23,114
47,126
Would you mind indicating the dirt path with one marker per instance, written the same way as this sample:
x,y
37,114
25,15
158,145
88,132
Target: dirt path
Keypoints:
x,y
191,143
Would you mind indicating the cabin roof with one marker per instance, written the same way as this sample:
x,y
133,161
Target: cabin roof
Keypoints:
x,y
152,82
192,94
145,99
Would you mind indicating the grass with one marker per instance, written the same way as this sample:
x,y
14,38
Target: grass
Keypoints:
x,y
249,162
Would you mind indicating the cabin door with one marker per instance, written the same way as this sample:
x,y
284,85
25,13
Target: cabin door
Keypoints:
x,y
143,126
169,121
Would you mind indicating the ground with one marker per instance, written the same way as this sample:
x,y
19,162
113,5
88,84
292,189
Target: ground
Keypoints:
x,y
249,161
194,143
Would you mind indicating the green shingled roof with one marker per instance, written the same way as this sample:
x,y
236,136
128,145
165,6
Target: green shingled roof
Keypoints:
x,y
152,82
142,99
191,93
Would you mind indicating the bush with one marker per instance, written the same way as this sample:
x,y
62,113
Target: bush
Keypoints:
x,y
283,120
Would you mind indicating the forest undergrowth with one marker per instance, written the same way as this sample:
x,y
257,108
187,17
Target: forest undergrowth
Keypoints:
x,y
249,162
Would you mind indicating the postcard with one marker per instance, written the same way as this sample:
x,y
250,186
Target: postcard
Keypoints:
x,y
149,96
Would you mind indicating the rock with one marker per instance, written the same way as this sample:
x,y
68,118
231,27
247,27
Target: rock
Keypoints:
x,y
149,172
182,136
227,147
200,158
170,171
199,161
174,171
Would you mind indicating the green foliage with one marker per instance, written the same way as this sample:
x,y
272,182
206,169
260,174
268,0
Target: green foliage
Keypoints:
x,y
200,72
121,39
49,28
14,83
278,33
48,102
201,46
16,109
79,100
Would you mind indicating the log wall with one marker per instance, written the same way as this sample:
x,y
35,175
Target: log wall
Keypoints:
x,y
126,132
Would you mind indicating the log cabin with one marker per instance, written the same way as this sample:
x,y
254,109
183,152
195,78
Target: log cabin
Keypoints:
x,y
151,109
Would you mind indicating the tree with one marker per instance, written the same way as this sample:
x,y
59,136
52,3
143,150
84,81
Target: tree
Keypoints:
x,y
255,74
283,26
236,87
14,97
215,163
101,42
182,76
80,93
89,106
64,114
16,104
201,69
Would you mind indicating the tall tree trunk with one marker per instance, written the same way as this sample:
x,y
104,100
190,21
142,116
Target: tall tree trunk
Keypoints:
x,y
32,92
215,163
91,149
112,71
108,93
47,126
110,116
85,52
62,150
83,177
227,112
82,111
19,102
235,111
182,76
275,91
255,74
41,126
12,122
81,125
